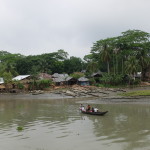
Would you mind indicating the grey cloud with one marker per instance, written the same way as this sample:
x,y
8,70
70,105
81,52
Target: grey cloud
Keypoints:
x,y
33,26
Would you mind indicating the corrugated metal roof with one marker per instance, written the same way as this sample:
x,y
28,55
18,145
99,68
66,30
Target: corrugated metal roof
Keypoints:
x,y
83,79
1,80
56,75
68,78
62,79
58,80
20,77
97,73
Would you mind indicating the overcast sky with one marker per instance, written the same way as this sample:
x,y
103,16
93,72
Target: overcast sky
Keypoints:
x,y
32,27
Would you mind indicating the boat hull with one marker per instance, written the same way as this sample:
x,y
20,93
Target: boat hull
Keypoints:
x,y
95,113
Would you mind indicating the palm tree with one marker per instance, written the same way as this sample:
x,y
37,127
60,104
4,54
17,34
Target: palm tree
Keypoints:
x,y
132,66
105,54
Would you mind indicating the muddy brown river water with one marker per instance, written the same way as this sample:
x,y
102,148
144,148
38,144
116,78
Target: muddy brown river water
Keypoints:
x,y
58,125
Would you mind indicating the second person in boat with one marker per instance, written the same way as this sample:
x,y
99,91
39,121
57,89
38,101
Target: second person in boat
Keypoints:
x,y
88,108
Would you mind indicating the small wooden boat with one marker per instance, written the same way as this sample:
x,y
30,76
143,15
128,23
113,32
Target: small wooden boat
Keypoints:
x,y
95,113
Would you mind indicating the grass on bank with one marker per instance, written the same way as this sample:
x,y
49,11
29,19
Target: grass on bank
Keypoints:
x,y
137,93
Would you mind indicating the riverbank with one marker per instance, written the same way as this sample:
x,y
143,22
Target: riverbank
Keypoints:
x,y
103,95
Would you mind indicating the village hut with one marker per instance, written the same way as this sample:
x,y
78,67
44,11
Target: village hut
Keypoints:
x,y
138,75
97,76
71,81
2,88
58,81
24,79
63,79
83,81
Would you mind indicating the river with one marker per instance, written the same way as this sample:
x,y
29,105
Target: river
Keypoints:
x,y
58,125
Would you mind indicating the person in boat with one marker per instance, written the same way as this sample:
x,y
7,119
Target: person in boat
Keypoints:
x,y
96,109
88,108
82,108
92,109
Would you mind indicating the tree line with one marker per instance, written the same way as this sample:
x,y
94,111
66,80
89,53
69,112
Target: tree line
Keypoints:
x,y
118,56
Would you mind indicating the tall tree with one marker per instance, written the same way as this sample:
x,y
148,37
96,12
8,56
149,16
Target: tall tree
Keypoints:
x,y
104,49
132,66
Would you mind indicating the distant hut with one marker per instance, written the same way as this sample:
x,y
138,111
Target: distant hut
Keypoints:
x,y
97,76
83,81
138,75
63,79
24,79
55,75
2,88
71,81
58,81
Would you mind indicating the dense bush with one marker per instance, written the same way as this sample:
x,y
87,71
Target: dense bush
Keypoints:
x,y
112,79
20,85
41,84
77,75
92,81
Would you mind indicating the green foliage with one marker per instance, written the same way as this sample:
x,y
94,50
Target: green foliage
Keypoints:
x,y
132,65
112,79
20,86
41,84
74,64
7,77
134,81
92,67
19,128
77,75
137,93
92,81
128,53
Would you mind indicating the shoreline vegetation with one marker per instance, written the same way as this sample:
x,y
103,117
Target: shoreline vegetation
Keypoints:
x,y
137,93
116,62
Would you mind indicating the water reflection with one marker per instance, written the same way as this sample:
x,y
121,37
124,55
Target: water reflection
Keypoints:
x,y
53,123
125,124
